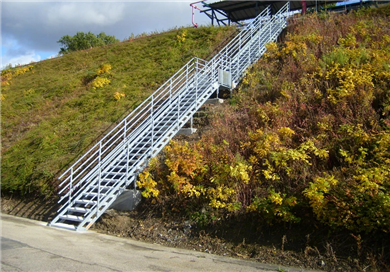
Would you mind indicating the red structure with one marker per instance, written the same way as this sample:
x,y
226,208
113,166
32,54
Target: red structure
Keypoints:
x,y
303,3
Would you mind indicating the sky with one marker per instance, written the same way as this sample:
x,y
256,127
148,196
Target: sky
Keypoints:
x,y
30,29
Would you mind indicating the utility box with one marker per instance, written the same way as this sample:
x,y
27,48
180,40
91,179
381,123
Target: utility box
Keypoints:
x,y
225,78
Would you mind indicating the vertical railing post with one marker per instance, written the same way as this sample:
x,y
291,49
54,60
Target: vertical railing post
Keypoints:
x,y
70,186
270,30
186,78
250,48
125,130
152,121
127,161
170,91
100,177
196,82
259,34
178,107
127,149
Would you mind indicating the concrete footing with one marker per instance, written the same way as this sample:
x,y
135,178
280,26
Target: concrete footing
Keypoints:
x,y
214,101
186,131
127,201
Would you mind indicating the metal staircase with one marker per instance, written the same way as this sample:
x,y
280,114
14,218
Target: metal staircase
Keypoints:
x,y
92,183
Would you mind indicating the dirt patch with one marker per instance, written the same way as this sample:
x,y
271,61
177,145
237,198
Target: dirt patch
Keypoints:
x,y
246,238
30,207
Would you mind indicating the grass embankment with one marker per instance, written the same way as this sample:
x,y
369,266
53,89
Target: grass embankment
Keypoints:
x,y
305,142
52,110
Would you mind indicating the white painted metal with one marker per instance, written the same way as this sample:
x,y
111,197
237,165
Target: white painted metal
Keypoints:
x,y
94,181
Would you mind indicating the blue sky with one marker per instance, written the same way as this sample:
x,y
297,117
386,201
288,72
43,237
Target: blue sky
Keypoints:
x,y
30,29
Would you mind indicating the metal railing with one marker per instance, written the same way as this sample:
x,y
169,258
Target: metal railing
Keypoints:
x,y
85,168
126,149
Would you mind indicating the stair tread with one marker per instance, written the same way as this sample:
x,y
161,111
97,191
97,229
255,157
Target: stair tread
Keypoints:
x,y
94,194
102,187
71,217
84,201
78,209
63,225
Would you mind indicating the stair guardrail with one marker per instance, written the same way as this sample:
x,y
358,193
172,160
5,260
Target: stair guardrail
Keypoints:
x,y
92,183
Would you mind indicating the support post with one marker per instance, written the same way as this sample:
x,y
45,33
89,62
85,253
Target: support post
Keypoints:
x,y
100,177
152,121
127,162
70,186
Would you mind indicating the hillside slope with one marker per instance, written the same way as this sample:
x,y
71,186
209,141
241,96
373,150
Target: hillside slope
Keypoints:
x,y
295,171
52,110
305,144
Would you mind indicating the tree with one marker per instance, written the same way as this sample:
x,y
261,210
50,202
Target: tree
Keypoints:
x,y
82,41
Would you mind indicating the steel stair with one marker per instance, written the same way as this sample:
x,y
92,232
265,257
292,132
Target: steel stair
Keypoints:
x,y
91,184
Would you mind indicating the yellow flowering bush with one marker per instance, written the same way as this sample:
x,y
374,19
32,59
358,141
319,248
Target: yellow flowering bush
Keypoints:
x,y
104,69
100,82
181,37
146,182
118,96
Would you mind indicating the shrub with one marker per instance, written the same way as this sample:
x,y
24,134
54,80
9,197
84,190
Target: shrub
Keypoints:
x,y
309,130
100,82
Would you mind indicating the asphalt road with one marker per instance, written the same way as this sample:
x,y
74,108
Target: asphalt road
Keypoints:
x,y
28,245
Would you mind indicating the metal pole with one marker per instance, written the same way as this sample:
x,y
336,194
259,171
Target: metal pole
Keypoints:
x,y
170,91
231,76
196,82
127,162
125,130
152,120
71,186
100,177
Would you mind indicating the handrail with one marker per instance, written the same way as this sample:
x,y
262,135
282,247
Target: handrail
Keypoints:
x,y
147,127
174,84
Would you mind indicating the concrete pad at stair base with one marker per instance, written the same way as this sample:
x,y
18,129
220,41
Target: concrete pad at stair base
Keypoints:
x,y
186,131
127,201
214,101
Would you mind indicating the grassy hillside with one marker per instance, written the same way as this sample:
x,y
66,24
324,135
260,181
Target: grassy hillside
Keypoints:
x,y
52,110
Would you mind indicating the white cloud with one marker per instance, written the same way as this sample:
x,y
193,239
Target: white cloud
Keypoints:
x,y
22,59
85,14
38,24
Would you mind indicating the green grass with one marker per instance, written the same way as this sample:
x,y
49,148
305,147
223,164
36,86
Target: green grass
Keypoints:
x,y
51,114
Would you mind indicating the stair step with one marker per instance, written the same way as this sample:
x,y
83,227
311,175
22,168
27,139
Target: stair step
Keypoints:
x,y
70,217
120,168
107,183
117,170
137,150
93,194
78,209
143,144
95,187
85,202
63,226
